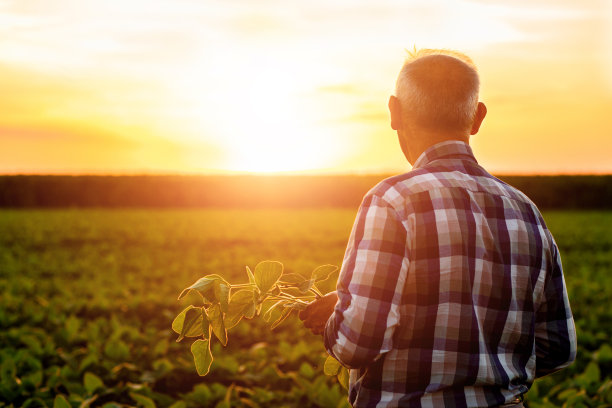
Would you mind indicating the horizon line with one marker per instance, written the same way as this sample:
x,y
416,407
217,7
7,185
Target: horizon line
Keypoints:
x,y
276,174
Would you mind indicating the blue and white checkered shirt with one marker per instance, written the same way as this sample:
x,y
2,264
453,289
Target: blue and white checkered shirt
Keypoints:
x,y
451,292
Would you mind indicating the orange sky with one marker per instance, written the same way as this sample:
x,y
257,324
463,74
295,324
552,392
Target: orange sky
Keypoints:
x,y
277,85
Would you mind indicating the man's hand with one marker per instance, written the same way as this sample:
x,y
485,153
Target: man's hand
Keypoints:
x,y
317,312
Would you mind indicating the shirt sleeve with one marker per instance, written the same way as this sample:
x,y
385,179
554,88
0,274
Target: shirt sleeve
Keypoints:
x,y
369,286
555,333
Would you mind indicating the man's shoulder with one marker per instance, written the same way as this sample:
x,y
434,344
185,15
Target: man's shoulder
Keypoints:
x,y
413,182
425,180
402,186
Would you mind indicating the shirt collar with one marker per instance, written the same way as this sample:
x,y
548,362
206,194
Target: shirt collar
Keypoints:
x,y
445,150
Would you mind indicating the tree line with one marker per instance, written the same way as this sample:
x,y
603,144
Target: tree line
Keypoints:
x,y
250,191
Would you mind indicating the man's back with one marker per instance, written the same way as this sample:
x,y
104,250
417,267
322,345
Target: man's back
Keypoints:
x,y
451,291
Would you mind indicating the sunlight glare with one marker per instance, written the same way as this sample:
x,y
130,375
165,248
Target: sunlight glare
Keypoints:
x,y
264,115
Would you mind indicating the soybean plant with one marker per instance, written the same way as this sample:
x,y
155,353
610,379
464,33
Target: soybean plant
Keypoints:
x,y
224,305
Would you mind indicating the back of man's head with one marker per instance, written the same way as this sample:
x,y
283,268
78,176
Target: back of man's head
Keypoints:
x,y
438,90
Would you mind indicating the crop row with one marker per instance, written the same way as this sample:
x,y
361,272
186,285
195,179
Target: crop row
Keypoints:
x,y
87,298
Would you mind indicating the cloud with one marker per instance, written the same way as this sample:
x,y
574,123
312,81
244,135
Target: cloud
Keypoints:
x,y
73,148
66,133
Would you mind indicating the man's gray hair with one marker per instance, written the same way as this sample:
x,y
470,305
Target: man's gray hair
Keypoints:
x,y
438,89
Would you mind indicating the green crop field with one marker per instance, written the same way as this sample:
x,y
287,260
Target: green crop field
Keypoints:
x,y
87,298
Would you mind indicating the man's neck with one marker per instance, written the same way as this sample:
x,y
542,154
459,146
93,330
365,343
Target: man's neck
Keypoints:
x,y
417,141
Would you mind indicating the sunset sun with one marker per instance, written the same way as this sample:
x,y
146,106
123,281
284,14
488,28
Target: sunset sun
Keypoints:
x,y
268,115
265,132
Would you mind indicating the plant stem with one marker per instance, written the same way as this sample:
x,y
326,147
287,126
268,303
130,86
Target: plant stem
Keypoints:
x,y
291,299
316,291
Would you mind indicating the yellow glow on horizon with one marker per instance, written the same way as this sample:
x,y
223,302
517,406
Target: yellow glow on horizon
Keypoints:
x,y
205,87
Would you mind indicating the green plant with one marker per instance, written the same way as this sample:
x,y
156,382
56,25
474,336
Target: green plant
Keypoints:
x,y
225,304
74,280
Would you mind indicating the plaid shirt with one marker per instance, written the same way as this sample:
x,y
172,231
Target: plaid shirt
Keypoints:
x,y
451,292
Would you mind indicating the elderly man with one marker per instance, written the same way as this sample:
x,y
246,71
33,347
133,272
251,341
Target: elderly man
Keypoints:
x,y
451,292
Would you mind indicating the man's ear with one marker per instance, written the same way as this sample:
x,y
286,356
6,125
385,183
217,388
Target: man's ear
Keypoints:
x,y
396,112
481,112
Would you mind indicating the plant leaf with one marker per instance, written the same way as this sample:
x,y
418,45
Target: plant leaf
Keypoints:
x,y
242,303
286,312
267,273
590,375
92,382
86,403
292,278
331,366
294,292
179,320
61,402
323,272
343,378
222,292
251,276
195,324
202,356
268,314
143,401
203,285
8,370
306,285
215,316
198,328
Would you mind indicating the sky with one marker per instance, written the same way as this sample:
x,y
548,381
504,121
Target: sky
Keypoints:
x,y
231,86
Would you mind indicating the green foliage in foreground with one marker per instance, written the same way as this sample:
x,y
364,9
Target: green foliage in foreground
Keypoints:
x,y
222,309
87,298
